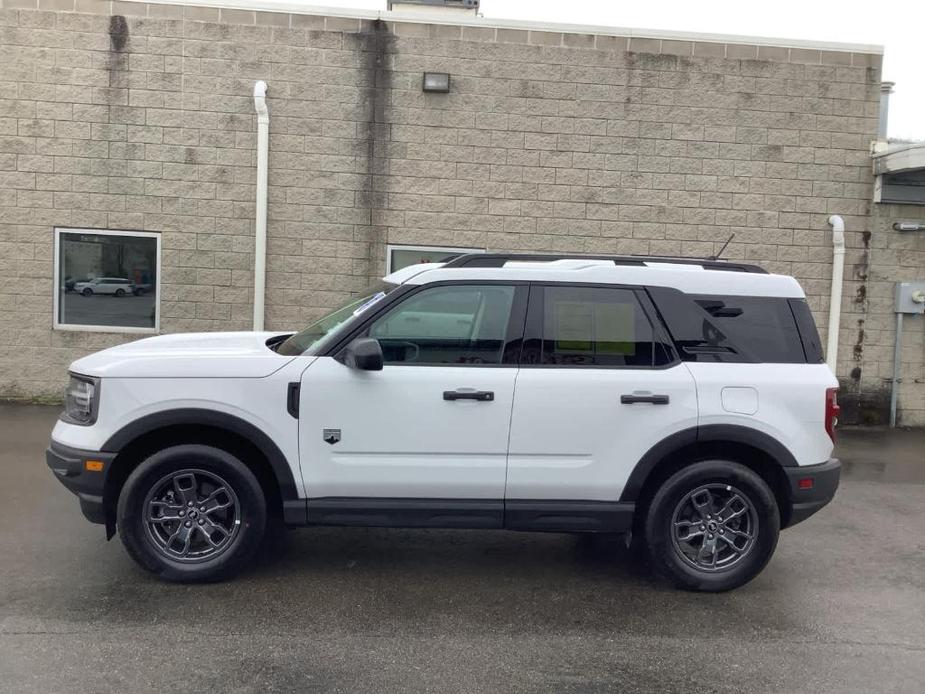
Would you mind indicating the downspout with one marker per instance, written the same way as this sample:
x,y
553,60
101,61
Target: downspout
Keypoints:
x,y
838,273
260,223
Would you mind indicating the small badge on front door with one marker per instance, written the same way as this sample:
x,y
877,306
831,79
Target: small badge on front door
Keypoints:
x,y
331,436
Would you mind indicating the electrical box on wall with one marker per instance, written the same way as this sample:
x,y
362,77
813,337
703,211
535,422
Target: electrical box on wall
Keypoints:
x,y
910,297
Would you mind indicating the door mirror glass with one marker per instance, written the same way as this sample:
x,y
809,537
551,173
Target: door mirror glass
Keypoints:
x,y
364,354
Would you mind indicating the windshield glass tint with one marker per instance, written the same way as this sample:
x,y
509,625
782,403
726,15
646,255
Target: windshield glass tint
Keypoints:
x,y
323,331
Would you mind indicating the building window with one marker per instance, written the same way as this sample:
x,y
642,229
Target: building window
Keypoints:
x,y
398,257
107,281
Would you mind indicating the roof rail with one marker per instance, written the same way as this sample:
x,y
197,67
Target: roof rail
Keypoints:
x,y
499,259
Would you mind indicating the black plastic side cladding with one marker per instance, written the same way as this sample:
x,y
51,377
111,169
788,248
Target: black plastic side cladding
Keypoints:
x,y
219,420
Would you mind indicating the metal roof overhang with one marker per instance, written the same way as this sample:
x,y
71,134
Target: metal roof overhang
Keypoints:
x,y
900,173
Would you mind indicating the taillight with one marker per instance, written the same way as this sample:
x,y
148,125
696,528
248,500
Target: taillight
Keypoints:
x,y
831,411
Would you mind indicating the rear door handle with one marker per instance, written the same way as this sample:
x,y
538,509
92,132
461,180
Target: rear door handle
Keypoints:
x,y
480,395
632,399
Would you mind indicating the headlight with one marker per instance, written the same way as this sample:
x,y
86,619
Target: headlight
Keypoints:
x,y
81,399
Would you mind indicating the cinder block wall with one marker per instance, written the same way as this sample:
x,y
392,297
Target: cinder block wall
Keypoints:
x,y
547,141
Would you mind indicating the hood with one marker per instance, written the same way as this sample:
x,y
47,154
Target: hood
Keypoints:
x,y
187,355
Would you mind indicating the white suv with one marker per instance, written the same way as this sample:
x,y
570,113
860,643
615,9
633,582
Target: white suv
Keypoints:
x,y
685,401
119,286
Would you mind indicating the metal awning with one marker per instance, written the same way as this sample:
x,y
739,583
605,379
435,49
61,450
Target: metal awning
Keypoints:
x,y
900,171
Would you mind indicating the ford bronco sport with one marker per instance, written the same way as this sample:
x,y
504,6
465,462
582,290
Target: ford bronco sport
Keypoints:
x,y
683,401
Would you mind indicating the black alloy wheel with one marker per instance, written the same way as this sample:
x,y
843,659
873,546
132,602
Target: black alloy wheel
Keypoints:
x,y
192,513
712,526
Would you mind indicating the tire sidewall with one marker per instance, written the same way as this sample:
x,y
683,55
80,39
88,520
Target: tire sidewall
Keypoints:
x,y
130,512
658,525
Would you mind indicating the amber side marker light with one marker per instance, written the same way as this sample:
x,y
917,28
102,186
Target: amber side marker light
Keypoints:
x,y
93,465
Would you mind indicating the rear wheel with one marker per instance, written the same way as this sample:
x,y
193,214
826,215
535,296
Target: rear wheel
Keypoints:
x,y
120,292
192,513
712,526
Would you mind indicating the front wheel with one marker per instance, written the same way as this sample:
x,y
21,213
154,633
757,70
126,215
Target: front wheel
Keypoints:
x,y
87,291
712,526
192,513
120,292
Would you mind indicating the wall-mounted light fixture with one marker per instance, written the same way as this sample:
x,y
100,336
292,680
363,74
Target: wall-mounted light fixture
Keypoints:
x,y
909,226
436,82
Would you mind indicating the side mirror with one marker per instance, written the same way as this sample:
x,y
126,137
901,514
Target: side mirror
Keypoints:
x,y
364,354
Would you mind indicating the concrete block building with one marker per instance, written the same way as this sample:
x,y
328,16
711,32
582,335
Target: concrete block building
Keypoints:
x,y
128,153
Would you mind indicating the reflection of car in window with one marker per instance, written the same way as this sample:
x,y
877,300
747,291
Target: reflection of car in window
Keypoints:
x,y
117,286
683,401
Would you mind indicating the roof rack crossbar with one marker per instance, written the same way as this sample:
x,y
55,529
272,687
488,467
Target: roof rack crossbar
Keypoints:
x,y
499,259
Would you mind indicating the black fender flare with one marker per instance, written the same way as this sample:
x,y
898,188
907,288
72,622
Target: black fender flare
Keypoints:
x,y
730,433
211,418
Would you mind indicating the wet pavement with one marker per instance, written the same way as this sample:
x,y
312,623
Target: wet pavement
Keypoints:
x,y
840,608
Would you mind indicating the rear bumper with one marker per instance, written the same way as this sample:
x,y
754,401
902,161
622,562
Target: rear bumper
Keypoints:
x,y
806,501
70,467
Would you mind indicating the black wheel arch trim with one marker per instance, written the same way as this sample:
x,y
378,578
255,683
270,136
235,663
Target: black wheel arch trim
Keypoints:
x,y
731,433
219,420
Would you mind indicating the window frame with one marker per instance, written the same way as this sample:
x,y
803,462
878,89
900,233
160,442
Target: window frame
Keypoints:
x,y
57,281
514,333
536,317
406,247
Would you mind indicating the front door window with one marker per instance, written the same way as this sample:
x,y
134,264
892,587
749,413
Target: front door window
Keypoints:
x,y
454,324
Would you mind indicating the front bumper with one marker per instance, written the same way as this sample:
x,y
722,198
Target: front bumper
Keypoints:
x,y
70,466
805,499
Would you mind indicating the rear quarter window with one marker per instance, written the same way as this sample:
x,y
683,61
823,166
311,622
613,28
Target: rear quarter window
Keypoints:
x,y
763,327
737,329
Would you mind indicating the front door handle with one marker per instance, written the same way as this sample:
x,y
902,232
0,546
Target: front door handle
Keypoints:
x,y
653,399
480,395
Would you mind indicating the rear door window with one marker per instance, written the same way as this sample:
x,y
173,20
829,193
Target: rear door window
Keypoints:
x,y
596,326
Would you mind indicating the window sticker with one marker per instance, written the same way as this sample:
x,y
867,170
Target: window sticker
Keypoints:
x,y
374,299
601,328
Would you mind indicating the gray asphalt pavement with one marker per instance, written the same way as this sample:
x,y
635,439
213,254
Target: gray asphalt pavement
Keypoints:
x,y
840,608
106,309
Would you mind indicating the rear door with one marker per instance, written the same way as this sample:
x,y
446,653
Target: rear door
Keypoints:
x,y
599,385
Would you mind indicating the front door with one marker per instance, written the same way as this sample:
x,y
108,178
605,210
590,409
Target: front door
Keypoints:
x,y
431,426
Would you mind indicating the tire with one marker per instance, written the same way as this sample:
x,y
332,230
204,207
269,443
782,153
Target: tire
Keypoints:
x,y
120,292
681,515
185,553
86,291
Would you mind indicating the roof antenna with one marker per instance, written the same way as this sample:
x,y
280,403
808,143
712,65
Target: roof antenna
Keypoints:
x,y
722,250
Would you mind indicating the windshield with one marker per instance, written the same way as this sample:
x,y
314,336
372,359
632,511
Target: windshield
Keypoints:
x,y
323,331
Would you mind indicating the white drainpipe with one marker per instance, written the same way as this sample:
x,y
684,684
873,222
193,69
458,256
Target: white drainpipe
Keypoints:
x,y
838,273
260,226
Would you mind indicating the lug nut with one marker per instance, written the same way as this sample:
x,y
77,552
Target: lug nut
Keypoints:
x,y
189,503
201,521
709,516
703,527
182,513
188,524
721,531
202,508
709,536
